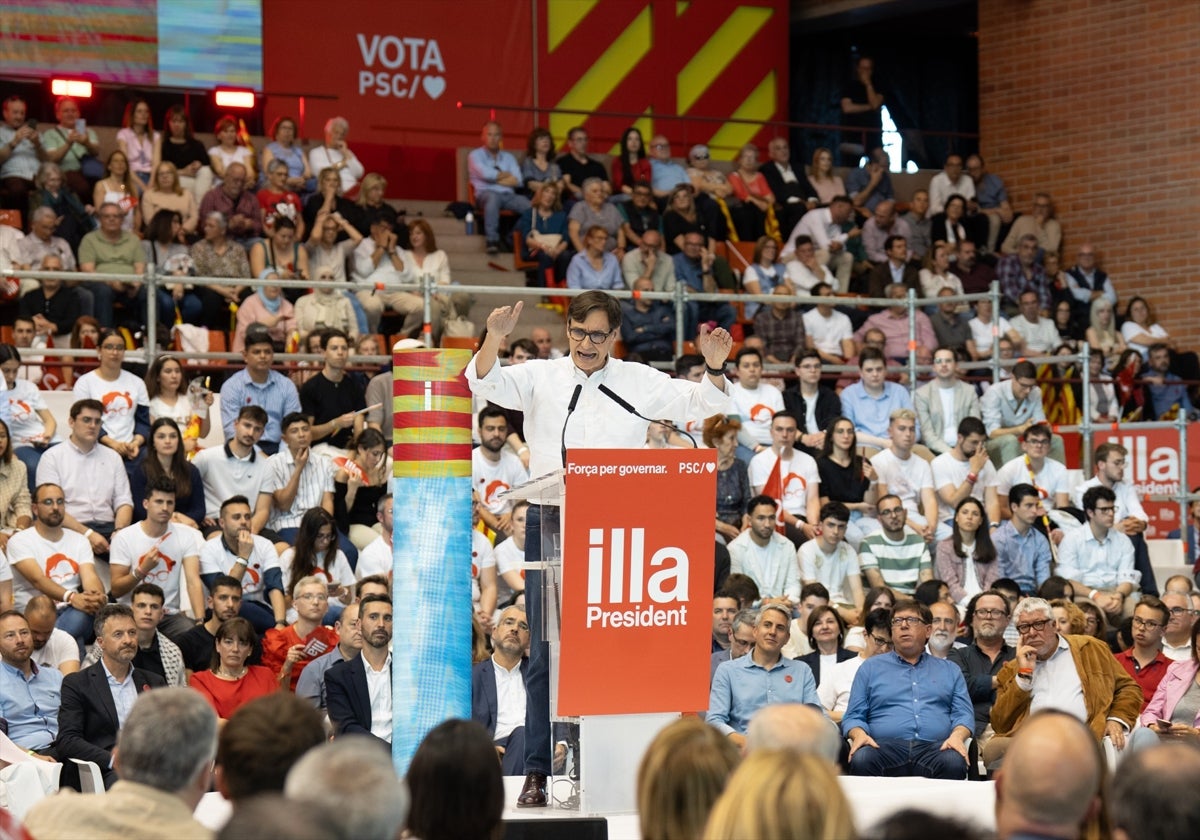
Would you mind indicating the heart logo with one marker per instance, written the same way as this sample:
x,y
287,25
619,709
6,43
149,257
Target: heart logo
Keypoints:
x,y
435,86
710,466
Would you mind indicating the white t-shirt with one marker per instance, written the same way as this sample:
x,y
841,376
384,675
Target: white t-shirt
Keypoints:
x,y
1130,329
799,474
60,561
827,333
375,558
981,333
129,544
1051,480
507,558
491,479
120,400
949,470
216,559
905,479
834,689
833,571
339,573
482,557
24,402
59,648
756,408
225,477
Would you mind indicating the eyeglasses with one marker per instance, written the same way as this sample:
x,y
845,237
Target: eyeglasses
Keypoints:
x,y
1038,441
1183,611
311,596
595,336
89,421
1033,626
989,613
699,157
891,511
883,643
906,621
1145,624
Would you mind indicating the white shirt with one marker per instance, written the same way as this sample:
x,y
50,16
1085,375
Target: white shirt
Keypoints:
x,y
491,478
818,225
120,399
60,561
834,689
315,482
375,558
482,557
941,188
216,558
950,420
799,477
1040,338
179,543
25,400
981,333
804,278
1056,684
1175,653
379,689
756,407
904,478
226,475
1128,503
949,470
1051,480
831,570
507,558
124,692
510,699
61,647
827,333
775,568
542,389
94,483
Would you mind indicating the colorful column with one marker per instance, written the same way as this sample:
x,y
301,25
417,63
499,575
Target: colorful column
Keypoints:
x,y
431,488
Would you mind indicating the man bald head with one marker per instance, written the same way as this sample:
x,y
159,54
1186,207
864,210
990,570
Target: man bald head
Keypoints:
x,y
793,726
1154,795
1050,781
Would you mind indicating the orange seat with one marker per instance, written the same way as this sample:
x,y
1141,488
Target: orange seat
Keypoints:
x,y
520,264
740,255
6,334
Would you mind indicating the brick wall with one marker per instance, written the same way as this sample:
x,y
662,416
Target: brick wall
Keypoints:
x,y
1098,103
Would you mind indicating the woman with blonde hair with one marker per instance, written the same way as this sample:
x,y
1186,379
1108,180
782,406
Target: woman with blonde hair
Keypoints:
x,y
827,185
1069,619
166,193
782,795
372,207
1102,332
680,777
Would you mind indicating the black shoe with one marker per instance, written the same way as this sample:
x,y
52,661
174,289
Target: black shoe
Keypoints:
x,y
533,794
493,247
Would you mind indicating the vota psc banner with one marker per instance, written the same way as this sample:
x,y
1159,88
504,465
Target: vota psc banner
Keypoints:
x,y
637,581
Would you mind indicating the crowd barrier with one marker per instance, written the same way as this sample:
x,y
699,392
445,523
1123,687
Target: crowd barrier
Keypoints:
x,y
679,298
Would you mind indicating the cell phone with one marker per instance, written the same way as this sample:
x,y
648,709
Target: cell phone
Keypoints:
x,y
81,125
31,123
1165,724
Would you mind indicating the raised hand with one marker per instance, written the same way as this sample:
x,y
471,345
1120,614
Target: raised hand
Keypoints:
x,y
714,346
503,319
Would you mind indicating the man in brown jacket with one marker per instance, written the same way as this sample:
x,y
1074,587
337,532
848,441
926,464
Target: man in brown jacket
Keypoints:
x,y
1074,674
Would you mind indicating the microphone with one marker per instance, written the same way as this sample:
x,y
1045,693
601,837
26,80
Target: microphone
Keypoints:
x,y
615,397
570,409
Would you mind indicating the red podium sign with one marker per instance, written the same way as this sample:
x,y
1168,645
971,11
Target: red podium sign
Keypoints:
x,y
637,581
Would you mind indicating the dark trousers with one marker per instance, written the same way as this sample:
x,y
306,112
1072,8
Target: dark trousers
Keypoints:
x,y
896,757
512,763
538,751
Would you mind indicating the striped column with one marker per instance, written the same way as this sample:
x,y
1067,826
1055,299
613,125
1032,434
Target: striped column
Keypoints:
x,y
431,515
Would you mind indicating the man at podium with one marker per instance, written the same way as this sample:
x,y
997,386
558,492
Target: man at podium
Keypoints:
x,y
585,400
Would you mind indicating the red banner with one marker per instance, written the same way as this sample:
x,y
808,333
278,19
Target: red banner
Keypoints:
x,y
1152,466
637,581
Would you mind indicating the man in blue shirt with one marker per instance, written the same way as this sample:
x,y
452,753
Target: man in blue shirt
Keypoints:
x,y
744,685
1023,551
910,713
257,384
495,174
694,267
665,173
29,695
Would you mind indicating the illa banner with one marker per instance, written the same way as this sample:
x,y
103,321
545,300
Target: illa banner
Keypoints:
x,y
637,581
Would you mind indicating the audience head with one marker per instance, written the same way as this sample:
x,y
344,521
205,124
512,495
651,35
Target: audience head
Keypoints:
x,y
168,742
353,779
741,588
455,784
262,740
1154,794
269,816
796,727
680,776
779,795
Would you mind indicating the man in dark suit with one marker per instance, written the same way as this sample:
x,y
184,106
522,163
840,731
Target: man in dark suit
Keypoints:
x,y
794,193
895,269
358,691
97,700
498,690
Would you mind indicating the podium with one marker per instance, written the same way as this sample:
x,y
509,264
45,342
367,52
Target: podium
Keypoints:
x,y
625,576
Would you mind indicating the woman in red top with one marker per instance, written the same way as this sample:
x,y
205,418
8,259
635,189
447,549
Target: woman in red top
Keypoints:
x,y
632,165
751,189
230,683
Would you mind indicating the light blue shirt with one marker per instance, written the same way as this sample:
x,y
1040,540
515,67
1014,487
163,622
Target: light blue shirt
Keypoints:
x,y
484,168
124,693
30,705
581,274
741,687
872,414
1100,565
277,396
665,175
893,699
1023,559
1001,410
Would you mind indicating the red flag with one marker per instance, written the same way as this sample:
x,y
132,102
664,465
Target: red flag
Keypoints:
x,y
774,488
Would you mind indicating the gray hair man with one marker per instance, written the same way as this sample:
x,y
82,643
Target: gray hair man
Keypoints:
x,y
797,727
354,781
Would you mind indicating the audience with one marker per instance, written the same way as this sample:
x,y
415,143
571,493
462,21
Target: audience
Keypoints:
x,y
680,777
